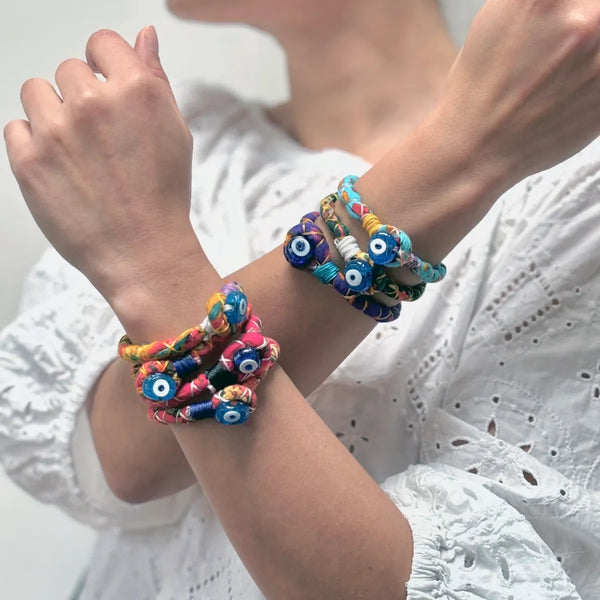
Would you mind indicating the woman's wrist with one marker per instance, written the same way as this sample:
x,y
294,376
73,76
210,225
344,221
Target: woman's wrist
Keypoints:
x,y
164,294
435,185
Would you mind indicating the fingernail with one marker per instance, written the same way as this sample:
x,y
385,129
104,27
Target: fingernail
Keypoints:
x,y
152,38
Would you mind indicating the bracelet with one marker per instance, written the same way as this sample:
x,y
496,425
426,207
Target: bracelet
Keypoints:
x,y
249,357
166,376
230,406
361,273
388,245
161,383
227,310
234,398
305,247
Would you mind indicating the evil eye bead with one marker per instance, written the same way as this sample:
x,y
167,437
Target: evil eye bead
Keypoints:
x,y
298,251
382,248
246,360
230,413
159,387
236,306
359,275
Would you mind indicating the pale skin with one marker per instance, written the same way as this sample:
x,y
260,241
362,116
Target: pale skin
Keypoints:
x,y
509,108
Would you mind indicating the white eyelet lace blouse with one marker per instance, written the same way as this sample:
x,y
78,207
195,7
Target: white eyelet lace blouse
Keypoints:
x,y
480,405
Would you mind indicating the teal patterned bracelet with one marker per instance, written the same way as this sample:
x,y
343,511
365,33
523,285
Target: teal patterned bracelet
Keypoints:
x,y
362,274
388,245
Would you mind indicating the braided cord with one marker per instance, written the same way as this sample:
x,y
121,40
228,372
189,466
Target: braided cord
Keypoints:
x,y
428,272
305,247
223,321
166,373
224,396
349,249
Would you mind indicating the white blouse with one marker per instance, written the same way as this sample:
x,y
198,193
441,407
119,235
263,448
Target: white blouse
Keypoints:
x,y
480,405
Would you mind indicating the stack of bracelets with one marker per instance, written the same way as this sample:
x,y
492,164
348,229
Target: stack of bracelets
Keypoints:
x,y
170,375
170,378
364,274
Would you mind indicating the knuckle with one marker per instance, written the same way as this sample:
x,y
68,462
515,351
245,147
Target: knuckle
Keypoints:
x,y
8,130
101,34
66,64
141,87
88,104
24,165
28,86
545,5
52,131
583,26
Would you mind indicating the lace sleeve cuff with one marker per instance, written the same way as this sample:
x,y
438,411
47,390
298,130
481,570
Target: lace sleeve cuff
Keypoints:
x,y
50,357
468,542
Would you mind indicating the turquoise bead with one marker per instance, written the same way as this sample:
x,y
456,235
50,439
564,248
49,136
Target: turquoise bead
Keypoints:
x,y
236,306
383,248
359,275
159,387
229,413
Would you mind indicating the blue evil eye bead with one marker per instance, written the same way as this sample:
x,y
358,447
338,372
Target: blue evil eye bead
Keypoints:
x,y
230,413
159,387
382,248
298,251
359,275
236,306
246,360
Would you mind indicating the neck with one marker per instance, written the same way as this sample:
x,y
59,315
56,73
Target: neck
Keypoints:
x,y
363,81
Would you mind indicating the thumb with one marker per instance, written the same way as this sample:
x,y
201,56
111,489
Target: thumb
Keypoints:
x,y
146,46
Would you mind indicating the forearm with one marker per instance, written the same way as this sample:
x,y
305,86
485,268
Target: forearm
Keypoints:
x,y
124,437
306,519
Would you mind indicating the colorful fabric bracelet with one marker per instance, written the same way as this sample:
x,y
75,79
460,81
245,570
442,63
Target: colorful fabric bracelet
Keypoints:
x,y
166,373
388,245
232,382
232,401
165,383
230,406
361,273
247,357
305,247
227,310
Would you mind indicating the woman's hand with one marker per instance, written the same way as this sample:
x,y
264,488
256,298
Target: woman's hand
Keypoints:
x,y
105,167
525,90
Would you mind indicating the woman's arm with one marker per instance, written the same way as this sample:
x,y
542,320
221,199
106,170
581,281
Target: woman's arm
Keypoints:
x,y
325,531
94,156
284,299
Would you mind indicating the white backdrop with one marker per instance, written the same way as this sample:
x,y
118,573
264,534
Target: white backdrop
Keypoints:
x,y
41,551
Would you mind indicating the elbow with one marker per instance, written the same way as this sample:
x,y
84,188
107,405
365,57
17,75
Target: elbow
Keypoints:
x,y
129,487
134,484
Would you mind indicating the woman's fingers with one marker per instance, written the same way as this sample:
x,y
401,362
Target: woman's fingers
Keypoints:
x,y
146,47
109,54
73,77
17,135
40,101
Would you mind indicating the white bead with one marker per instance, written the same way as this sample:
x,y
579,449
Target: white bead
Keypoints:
x,y
300,246
348,247
231,416
354,277
378,247
160,389
248,366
